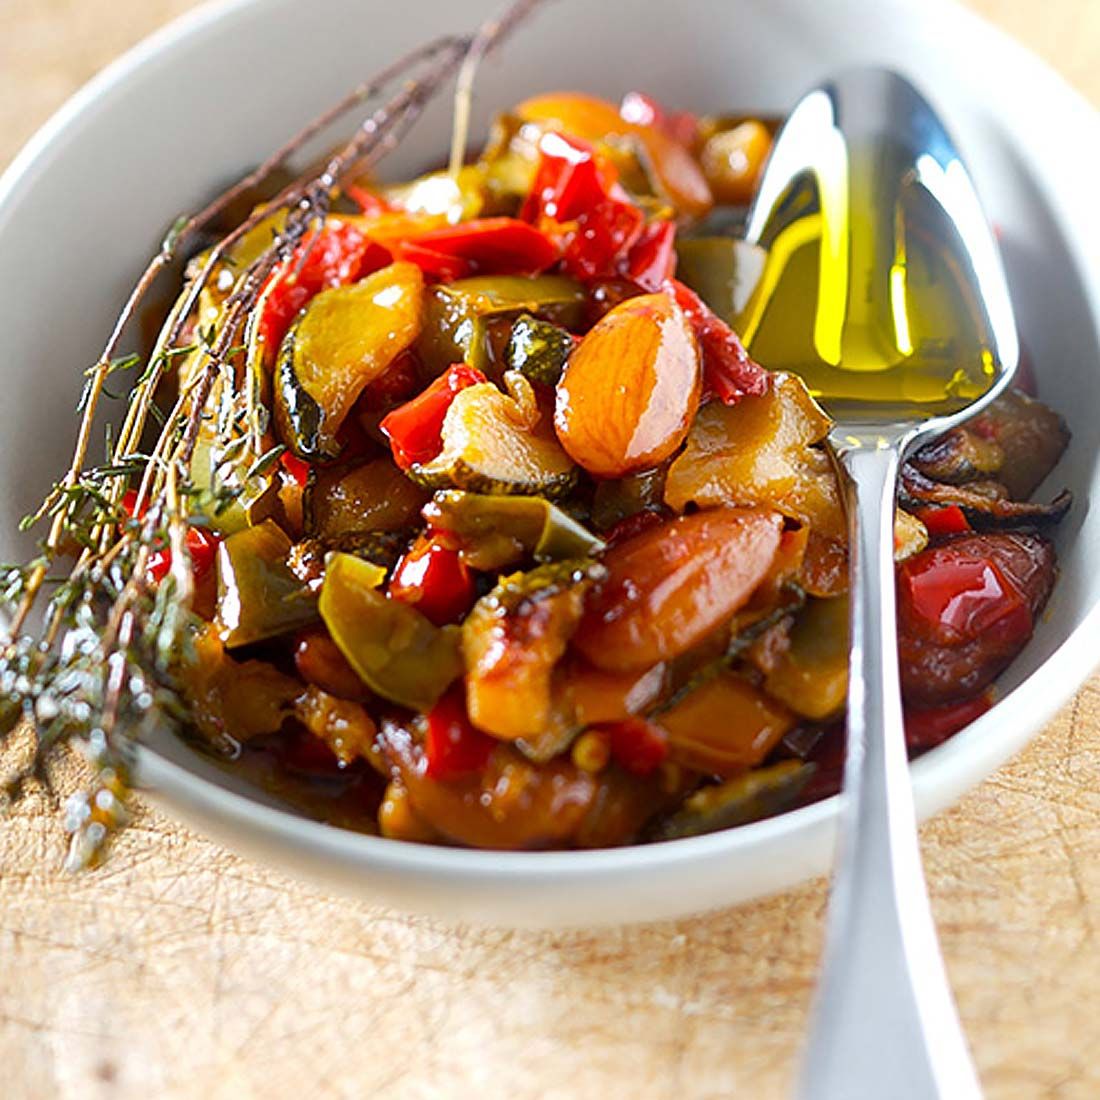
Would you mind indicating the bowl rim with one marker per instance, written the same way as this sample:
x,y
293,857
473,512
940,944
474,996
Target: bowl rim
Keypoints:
x,y
939,776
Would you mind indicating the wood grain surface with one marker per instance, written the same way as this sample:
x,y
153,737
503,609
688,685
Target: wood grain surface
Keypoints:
x,y
182,970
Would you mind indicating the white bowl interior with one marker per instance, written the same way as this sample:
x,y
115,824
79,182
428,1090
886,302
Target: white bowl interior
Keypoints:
x,y
93,194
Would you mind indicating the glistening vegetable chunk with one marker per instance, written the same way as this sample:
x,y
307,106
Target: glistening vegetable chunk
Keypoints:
x,y
345,339
965,609
398,653
497,442
670,586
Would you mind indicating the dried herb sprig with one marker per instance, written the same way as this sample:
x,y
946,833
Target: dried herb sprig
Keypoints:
x,y
101,669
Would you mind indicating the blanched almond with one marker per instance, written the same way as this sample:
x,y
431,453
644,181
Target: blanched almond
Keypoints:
x,y
631,389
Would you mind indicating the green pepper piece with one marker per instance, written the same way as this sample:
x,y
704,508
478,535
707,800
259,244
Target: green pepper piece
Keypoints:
x,y
450,333
258,596
538,349
759,793
723,271
395,650
498,531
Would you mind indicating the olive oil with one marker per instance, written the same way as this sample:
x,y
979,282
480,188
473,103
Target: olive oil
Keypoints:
x,y
860,296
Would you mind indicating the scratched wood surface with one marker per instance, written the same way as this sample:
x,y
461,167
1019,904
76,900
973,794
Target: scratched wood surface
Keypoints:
x,y
181,970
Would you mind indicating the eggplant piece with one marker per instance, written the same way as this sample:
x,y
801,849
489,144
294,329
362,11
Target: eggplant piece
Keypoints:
x,y
259,596
723,271
452,311
511,641
499,531
346,338
940,666
1017,440
498,443
987,508
343,504
396,651
761,451
538,349
760,793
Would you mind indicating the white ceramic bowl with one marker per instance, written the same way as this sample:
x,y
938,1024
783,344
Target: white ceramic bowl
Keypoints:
x,y
194,105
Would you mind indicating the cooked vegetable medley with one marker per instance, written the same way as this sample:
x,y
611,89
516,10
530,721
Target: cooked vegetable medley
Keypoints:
x,y
544,558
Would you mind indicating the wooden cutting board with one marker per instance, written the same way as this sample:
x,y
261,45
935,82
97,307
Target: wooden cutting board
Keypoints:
x,y
181,970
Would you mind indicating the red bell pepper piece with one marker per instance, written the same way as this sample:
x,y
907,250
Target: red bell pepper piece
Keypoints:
x,y
652,260
576,192
202,547
433,578
949,520
962,597
338,254
397,383
570,179
454,746
602,239
637,746
296,467
629,526
728,372
415,429
433,263
640,109
367,201
501,246
925,728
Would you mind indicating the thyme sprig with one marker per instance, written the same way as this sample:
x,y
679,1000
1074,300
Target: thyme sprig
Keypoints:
x,y
94,646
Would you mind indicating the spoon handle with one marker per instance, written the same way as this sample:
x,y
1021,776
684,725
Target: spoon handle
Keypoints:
x,y
884,1023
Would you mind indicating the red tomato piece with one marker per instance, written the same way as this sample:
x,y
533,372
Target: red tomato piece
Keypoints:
x,y
454,747
433,578
728,371
498,246
963,597
339,254
927,727
637,746
415,429
949,520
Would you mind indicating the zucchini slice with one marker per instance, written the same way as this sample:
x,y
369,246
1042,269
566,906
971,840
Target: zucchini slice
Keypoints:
x,y
346,338
498,443
455,313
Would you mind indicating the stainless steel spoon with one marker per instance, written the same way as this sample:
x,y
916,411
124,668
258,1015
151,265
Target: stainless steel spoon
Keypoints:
x,y
876,237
